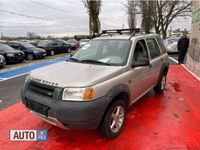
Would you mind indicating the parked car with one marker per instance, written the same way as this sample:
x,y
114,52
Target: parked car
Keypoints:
x,y
34,42
2,61
30,51
83,42
171,44
11,55
63,42
74,43
53,48
97,85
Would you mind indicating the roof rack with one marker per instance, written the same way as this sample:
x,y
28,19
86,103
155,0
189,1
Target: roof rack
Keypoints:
x,y
120,31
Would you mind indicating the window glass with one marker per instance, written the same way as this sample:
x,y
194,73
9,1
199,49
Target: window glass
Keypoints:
x,y
27,45
15,45
55,44
4,47
140,50
153,48
112,52
161,44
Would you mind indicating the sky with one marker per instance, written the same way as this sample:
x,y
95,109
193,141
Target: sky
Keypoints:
x,y
63,17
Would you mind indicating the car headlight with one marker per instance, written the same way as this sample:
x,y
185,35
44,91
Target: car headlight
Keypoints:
x,y
28,77
36,52
78,94
10,55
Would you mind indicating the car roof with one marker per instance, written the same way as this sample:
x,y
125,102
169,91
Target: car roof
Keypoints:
x,y
122,37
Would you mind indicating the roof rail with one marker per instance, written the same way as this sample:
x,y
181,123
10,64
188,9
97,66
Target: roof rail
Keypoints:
x,y
120,31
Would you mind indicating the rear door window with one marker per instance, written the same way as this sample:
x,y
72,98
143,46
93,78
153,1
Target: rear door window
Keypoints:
x,y
153,48
53,44
160,42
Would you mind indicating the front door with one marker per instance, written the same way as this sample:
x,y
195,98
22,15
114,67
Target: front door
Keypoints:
x,y
139,75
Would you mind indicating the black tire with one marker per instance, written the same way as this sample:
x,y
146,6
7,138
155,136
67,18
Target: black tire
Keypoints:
x,y
30,57
22,61
105,127
52,52
160,87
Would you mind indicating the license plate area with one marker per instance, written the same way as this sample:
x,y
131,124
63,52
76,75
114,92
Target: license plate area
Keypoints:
x,y
37,107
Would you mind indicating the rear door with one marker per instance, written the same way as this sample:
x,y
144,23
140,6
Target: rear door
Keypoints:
x,y
156,60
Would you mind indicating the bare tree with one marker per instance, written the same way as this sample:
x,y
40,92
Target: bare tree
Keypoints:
x,y
131,11
93,8
159,14
146,8
166,11
30,35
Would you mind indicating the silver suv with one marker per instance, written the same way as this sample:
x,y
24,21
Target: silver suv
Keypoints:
x,y
97,85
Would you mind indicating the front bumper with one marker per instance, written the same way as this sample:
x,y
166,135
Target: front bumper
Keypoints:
x,y
15,59
40,55
67,114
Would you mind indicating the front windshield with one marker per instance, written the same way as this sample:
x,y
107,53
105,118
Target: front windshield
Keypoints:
x,y
27,45
4,47
112,52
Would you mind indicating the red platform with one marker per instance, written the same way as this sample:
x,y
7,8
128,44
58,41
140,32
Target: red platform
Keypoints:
x,y
156,122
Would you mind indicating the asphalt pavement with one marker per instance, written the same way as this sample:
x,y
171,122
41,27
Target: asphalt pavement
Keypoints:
x,y
10,91
10,88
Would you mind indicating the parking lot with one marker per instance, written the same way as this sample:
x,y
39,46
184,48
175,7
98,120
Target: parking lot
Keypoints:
x,y
16,73
154,122
166,121
99,75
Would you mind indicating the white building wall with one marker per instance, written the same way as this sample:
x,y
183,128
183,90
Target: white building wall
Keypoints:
x,y
193,56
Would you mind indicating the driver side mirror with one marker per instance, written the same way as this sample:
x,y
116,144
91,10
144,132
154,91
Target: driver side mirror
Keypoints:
x,y
140,62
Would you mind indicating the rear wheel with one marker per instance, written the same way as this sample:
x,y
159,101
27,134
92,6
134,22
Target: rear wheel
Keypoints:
x,y
113,121
69,50
30,57
160,87
52,52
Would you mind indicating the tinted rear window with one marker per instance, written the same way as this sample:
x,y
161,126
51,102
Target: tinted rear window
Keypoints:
x,y
153,48
160,42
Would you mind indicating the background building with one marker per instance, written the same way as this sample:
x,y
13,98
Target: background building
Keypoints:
x,y
193,57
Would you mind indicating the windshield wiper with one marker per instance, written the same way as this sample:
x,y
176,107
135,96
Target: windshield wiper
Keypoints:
x,y
94,62
73,59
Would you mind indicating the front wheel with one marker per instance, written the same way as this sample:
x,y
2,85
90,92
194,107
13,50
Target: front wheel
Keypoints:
x,y
113,120
30,57
52,52
160,87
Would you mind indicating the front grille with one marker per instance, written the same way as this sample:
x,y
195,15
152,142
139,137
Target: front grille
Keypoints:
x,y
37,107
42,88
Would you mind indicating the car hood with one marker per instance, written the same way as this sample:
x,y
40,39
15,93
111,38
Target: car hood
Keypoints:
x,y
12,51
72,74
172,45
